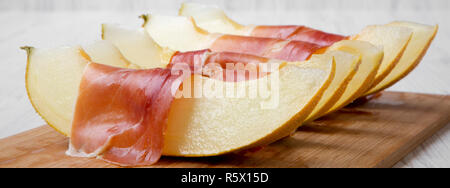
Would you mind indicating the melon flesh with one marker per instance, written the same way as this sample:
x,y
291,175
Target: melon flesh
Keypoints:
x,y
178,33
52,81
346,67
136,46
213,126
392,40
213,19
421,39
104,52
197,126
371,58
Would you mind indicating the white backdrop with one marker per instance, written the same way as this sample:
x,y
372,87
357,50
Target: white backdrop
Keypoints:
x,y
231,5
52,23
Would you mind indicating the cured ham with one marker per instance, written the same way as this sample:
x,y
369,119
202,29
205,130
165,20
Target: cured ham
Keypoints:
x,y
229,65
266,47
224,58
121,114
192,59
297,33
215,20
191,38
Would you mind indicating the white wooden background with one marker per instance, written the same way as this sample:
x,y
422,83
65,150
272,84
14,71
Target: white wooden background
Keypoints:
x,y
53,23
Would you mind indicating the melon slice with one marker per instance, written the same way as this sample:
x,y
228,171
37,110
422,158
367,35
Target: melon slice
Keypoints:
x,y
136,46
52,80
392,39
346,67
421,39
104,52
197,126
178,33
213,19
371,58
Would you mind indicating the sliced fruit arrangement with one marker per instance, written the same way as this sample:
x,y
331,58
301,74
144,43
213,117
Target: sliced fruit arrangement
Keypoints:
x,y
119,99
158,27
396,39
347,64
188,133
403,43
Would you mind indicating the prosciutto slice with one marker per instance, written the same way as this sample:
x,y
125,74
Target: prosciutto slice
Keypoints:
x,y
297,33
121,114
266,47
192,59
227,66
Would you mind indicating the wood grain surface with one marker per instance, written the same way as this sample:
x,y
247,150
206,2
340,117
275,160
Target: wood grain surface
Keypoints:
x,y
374,134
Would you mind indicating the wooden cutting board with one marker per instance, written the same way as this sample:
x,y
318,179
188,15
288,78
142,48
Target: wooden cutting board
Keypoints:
x,y
375,134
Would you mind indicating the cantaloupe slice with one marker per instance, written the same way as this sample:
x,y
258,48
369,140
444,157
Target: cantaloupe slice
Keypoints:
x,y
371,58
392,39
136,46
346,67
421,39
52,80
197,126
213,19
177,33
104,52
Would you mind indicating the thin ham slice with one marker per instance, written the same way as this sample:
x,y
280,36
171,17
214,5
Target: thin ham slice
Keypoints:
x,y
295,51
121,114
266,47
297,33
226,66
192,59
